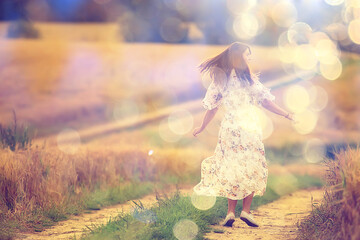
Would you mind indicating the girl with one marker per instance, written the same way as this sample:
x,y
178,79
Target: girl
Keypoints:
x,y
238,168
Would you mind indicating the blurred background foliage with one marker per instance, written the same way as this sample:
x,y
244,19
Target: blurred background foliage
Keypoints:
x,y
184,21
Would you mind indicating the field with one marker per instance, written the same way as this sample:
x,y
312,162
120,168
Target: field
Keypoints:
x,y
100,109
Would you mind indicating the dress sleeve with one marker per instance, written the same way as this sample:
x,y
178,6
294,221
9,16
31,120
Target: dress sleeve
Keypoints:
x,y
213,97
261,93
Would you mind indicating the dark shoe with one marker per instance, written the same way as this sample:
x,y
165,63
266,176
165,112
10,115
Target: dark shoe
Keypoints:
x,y
229,220
248,219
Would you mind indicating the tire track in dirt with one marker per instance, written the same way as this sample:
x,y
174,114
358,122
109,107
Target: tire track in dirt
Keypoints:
x,y
277,220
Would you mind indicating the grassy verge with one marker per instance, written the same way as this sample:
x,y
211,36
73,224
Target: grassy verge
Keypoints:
x,y
42,186
338,215
100,197
177,212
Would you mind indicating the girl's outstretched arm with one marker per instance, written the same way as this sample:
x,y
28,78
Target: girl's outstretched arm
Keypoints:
x,y
209,115
273,107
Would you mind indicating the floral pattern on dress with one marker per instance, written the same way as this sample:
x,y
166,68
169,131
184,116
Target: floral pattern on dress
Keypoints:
x,y
238,166
261,92
213,96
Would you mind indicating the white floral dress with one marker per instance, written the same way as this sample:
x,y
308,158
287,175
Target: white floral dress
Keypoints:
x,y
238,166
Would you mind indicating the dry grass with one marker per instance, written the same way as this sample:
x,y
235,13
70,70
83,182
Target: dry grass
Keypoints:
x,y
38,178
41,178
43,173
338,216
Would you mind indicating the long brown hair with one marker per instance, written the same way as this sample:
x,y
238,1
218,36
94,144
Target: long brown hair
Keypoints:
x,y
221,65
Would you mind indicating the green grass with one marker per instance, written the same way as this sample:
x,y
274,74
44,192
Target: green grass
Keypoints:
x,y
158,221
7,227
94,199
119,194
40,219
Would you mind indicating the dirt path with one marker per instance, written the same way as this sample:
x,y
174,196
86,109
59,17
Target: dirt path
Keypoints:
x,y
76,225
277,220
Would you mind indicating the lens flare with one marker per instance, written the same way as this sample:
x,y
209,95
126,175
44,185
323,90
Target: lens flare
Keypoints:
x,y
306,57
266,123
319,98
353,3
202,202
317,36
297,98
314,150
353,31
326,51
287,50
307,122
284,183
238,7
299,33
180,121
284,13
296,150
166,133
288,54
337,31
332,70
185,229
246,26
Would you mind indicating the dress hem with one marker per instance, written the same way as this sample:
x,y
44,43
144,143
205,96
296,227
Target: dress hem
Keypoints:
x,y
218,194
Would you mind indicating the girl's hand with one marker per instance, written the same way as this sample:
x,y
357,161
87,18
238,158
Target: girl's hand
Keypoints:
x,y
197,131
292,118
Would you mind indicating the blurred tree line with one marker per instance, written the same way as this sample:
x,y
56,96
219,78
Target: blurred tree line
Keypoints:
x,y
139,20
174,21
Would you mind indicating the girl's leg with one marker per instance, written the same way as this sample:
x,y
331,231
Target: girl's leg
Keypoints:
x,y
247,202
231,205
